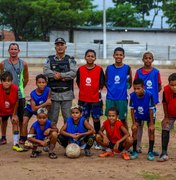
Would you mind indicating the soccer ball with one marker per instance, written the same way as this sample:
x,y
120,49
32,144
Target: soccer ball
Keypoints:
x,y
73,150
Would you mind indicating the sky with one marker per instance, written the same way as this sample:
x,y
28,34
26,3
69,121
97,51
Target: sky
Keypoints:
x,y
157,23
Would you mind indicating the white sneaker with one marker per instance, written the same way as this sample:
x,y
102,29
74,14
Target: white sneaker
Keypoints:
x,y
83,146
97,147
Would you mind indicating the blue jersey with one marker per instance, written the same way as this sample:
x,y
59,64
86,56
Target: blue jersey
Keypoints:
x,y
39,133
38,99
151,82
117,82
75,128
141,105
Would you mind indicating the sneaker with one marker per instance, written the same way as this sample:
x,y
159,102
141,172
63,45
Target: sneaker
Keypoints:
x,y
151,156
155,153
87,152
83,146
163,157
106,154
134,155
3,141
125,156
97,147
17,148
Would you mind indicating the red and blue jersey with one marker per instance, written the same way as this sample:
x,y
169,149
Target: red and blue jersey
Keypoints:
x,y
141,105
151,80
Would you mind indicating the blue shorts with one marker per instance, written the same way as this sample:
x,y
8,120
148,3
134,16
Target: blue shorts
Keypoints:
x,y
92,109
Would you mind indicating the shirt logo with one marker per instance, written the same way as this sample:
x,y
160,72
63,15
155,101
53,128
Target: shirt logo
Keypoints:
x,y
41,102
149,84
117,80
140,110
88,81
7,104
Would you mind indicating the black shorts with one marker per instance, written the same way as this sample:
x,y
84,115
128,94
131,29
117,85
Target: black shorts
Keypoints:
x,y
27,113
120,148
5,118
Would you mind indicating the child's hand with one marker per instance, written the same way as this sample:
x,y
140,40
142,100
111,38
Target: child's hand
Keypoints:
x,y
164,122
48,102
134,126
116,146
15,118
151,127
47,132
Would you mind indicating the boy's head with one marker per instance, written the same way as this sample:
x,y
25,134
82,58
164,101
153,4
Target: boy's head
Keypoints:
x,y
6,79
90,56
42,115
172,82
113,114
138,86
119,54
148,58
41,81
76,112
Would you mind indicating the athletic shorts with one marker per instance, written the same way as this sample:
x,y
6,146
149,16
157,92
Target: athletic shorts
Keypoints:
x,y
27,113
92,109
121,105
120,148
170,125
5,118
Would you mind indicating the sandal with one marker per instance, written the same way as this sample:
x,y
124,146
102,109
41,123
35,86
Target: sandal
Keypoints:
x,y
35,154
52,155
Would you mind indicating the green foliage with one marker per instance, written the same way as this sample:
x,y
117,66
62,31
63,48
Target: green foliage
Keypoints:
x,y
169,9
151,175
125,15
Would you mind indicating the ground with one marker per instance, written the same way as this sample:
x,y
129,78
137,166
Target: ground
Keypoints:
x,y
16,165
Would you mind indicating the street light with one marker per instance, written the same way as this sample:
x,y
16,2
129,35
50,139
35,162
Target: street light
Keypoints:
x,y
104,31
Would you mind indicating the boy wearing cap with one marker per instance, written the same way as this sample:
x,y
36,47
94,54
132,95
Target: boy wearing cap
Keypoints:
x,y
42,133
60,70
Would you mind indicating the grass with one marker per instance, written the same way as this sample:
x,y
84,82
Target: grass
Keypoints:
x,y
151,175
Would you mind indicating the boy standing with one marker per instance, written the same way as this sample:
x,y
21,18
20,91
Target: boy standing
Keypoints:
x,y
40,98
117,137
141,104
90,80
118,79
169,107
8,108
152,82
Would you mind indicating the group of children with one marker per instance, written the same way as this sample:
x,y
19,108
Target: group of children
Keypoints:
x,y
91,80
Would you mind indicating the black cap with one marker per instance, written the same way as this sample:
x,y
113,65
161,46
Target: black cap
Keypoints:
x,y
60,40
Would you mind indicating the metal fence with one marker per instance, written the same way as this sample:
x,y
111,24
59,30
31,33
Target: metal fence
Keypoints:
x,y
133,52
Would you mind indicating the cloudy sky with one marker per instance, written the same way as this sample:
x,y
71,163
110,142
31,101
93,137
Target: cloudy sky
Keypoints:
x,y
157,23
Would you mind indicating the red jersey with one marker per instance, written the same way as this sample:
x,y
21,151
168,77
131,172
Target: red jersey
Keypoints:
x,y
89,84
113,134
170,100
8,101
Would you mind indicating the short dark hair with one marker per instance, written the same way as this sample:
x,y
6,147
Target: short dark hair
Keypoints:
x,y
114,109
119,49
138,81
90,50
14,44
6,75
78,107
172,77
40,76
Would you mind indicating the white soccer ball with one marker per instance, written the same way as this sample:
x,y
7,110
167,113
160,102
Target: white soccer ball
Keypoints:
x,y
73,150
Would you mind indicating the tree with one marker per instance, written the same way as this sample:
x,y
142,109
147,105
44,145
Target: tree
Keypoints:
x,y
16,14
169,9
144,7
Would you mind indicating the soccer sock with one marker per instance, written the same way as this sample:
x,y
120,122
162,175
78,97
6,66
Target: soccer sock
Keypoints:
x,y
151,144
51,147
16,137
3,138
165,141
97,126
134,145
